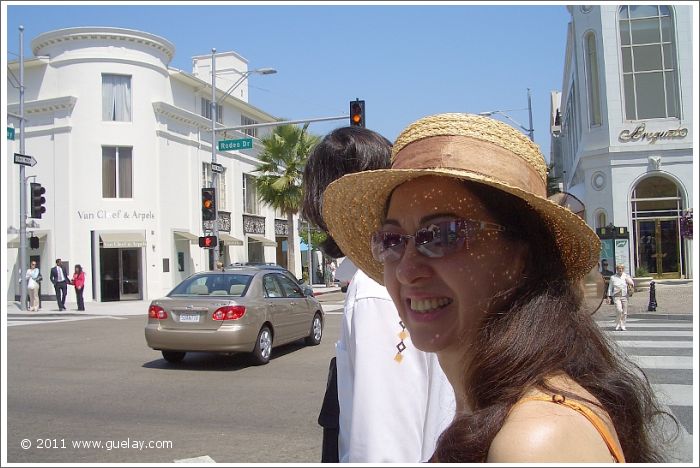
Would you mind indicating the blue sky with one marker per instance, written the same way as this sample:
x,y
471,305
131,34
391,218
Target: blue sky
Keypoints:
x,y
405,61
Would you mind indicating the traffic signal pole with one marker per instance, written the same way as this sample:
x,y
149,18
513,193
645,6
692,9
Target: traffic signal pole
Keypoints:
x,y
214,175
22,183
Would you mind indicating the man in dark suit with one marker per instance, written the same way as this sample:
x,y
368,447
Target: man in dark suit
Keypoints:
x,y
59,278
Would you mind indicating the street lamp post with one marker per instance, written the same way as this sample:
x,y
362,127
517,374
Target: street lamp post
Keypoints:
x,y
214,103
530,131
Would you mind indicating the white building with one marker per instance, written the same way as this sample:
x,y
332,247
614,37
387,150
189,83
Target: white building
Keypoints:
x,y
123,144
622,137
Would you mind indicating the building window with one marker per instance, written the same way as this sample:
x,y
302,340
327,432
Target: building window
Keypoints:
x,y
117,172
593,80
570,129
208,181
206,111
649,70
253,132
116,98
601,220
250,195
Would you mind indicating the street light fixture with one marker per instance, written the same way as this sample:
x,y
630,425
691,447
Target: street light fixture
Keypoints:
x,y
530,131
214,103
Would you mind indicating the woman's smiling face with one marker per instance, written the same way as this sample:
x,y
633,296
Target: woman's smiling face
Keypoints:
x,y
442,300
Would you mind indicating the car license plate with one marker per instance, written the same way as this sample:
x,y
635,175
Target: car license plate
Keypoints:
x,y
190,318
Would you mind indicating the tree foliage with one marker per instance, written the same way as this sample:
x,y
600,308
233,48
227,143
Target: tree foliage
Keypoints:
x,y
284,154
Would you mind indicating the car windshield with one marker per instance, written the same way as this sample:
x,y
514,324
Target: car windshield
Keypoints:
x,y
213,284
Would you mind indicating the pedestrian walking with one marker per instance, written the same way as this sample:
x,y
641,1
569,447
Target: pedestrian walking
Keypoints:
x,y
619,288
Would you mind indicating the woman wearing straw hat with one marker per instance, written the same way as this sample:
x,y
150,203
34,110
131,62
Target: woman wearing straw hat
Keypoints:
x,y
374,355
485,271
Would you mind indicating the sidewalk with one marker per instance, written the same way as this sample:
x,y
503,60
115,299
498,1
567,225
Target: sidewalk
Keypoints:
x,y
116,307
672,298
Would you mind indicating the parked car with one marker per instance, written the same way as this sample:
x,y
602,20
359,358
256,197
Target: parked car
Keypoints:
x,y
308,290
247,309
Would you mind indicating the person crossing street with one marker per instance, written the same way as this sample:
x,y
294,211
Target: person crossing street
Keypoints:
x,y
618,291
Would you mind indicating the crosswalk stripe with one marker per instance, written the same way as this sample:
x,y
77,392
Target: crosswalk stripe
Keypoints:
x,y
655,344
611,323
37,320
674,394
663,362
632,332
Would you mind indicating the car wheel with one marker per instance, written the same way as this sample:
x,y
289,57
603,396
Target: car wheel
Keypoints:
x,y
344,289
316,332
173,356
263,346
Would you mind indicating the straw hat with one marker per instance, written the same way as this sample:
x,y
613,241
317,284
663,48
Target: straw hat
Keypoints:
x,y
462,146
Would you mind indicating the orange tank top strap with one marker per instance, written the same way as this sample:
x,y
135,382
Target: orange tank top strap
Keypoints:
x,y
615,449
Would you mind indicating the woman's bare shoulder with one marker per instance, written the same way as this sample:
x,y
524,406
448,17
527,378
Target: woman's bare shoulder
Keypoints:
x,y
542,431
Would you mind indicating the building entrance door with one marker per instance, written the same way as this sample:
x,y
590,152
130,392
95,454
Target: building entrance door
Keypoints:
x,y
120,270
658,247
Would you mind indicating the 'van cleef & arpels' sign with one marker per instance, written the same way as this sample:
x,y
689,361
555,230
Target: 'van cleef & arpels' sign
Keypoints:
x,y
640,133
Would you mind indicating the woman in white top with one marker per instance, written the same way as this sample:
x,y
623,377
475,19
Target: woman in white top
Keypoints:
x,y
33,286
394,399
617,291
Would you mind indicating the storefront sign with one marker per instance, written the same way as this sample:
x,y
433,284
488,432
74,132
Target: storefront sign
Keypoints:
x,y
131,215
640,133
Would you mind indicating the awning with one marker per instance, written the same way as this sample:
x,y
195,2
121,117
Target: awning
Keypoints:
x,y
265,241
229,240
122,239
13,240
193,238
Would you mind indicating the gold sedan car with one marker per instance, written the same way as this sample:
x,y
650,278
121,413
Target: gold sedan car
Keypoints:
x,y
242,309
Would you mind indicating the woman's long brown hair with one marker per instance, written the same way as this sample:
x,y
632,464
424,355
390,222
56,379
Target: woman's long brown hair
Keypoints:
x,y
540,331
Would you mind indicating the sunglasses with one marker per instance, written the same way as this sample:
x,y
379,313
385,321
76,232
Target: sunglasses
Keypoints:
x,y
434,241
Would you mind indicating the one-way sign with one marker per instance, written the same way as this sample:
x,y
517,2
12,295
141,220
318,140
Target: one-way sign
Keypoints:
x,y
218,168
24,160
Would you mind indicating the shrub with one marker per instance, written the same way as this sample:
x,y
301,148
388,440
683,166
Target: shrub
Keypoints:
x,y
641,272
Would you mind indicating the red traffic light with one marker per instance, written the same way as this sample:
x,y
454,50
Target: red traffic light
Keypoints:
x,y
208,242
357,113
208,204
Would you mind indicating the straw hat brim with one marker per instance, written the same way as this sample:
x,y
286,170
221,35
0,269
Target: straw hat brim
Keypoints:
x,y
354,207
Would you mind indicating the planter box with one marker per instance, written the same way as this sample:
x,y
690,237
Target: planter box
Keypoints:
x,y
642,283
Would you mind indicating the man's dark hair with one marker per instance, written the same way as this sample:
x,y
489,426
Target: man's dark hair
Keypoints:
x,y
343,151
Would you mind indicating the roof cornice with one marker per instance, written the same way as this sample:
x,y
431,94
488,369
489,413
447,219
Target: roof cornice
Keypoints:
x,y
103,33
44,106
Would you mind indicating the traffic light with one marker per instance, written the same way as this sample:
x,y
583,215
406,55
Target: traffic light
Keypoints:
x,y
33,242
357,113
208,242
208,204
37,200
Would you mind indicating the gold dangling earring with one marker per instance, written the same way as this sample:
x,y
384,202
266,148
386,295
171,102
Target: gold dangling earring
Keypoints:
x,y
403,334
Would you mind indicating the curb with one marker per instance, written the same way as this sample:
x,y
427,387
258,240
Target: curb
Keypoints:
x,y
320,293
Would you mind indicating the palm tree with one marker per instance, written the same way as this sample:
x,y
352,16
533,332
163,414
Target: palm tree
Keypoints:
x,y
284,155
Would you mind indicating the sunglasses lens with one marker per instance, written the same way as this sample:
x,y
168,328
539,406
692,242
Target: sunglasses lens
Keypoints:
x,y
439,239
387,246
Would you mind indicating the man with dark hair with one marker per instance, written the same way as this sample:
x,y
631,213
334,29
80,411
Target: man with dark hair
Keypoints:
x,y
59,278
381,409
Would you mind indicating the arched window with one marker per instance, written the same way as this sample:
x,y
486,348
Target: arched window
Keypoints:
x,y
593,81
649,68
601,220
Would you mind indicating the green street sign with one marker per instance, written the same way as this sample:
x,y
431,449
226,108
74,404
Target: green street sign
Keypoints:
x,y
10,133
228,145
